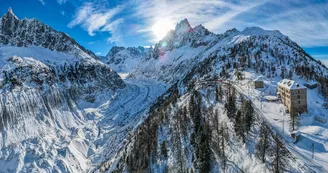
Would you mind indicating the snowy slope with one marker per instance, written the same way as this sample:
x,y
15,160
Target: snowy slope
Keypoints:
x,y
36,52
192,55
44,73
123,59
62,110
311,130
171,122
182,49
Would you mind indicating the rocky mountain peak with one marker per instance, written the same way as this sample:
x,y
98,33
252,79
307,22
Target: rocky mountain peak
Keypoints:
x,y
11,13
27,32
114,50
183,27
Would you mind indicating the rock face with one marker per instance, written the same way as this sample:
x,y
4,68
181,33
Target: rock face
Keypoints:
x,y
27,32
81,73
123,59
183,35
44,75
81,66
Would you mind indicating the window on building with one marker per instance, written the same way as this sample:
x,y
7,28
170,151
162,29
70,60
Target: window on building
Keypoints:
x,y
299,102
298,97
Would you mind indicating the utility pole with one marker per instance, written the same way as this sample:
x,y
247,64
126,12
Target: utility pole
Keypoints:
x,y
283,126
312,149
261,99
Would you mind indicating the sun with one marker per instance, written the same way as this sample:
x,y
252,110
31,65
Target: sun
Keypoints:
x,y
161,28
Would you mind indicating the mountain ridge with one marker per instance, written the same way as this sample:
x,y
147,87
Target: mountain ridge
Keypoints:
x,y
14,31
192,64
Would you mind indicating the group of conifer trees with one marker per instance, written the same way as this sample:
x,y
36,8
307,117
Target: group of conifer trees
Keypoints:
x,y
269,149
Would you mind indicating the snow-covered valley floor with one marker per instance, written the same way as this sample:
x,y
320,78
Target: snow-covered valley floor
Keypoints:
x,y
312,131
116,117
98,136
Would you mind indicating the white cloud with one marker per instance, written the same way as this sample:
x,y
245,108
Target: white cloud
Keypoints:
x,y
113,28
61,1
212,14
62,13
98,53
95,18
147,47
303,21
42,2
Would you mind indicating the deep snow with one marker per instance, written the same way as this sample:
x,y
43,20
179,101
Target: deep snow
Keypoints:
x,y
312,131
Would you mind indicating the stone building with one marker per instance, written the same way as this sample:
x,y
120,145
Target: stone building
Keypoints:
x,y
258,82
293,96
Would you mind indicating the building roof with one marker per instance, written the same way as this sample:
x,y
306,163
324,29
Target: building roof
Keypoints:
x,y
312,83
259,78
290,84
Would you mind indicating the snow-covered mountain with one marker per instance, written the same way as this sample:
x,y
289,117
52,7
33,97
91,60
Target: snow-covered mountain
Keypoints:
x,y
62,110
44,76
39,45
183,48
25,32
191,60
123,59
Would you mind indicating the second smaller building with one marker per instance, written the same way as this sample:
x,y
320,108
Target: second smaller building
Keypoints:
x,y
258,82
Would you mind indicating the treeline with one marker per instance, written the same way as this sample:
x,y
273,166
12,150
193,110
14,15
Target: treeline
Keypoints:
x,y
193,136
243,117
269,148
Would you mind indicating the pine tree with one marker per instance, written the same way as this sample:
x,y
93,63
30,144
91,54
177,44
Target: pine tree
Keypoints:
x,y
231,103
217,128
280,155
163,149
294,120
249,115
239,126
220,92
224,138
263,144
290,75
217,94
191,104
203,149
197,117
282,74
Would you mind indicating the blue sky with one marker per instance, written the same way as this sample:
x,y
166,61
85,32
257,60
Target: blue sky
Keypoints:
x,y
100,24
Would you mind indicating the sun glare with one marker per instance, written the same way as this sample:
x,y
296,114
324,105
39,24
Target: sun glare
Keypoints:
x,y
161,27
